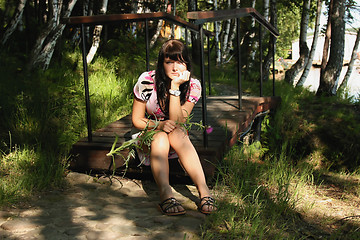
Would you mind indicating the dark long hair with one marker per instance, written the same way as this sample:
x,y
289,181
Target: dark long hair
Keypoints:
x,y
177,51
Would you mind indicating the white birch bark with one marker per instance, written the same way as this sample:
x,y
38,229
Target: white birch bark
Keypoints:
x,y
253,52
44,47
217,32
10,28
329,77
292,74
226,35
96,35
230,40
352,61
313,45
136,8
158,29
267,10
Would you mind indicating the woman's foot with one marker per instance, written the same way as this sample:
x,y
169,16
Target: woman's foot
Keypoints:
x,y
171,207
207,205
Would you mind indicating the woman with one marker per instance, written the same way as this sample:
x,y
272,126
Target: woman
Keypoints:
x,y
168,95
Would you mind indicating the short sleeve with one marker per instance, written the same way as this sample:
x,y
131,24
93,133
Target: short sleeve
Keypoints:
x,y
144,86
195,91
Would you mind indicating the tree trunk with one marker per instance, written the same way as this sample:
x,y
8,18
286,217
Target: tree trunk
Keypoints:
x,y
87,11
327,39
216,39
351,63
269,57
43,49
313,46
252,42
195,40
267,10
333,68
10,28
295,69
96,34
231,38
225,38
158,28
266,44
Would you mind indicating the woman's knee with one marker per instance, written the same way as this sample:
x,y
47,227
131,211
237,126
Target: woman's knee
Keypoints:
x,y
179,138
160,139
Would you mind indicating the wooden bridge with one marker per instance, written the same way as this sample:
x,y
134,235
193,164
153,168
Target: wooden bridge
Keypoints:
x,y
230,116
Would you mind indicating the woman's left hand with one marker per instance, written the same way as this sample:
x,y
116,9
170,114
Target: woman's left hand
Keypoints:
x,y
167,126
183,77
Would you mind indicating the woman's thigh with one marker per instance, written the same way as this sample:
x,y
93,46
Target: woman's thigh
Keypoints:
x,y
179,138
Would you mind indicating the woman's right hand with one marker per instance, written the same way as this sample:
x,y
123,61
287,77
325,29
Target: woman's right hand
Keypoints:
x,y
167,126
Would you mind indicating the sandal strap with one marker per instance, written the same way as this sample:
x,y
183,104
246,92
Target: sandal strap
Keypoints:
x,y
169,203
208,201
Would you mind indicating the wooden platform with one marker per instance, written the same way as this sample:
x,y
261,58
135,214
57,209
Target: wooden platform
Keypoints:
x,y
223,115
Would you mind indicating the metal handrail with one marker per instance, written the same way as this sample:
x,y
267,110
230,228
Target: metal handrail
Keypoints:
x,y
201,17
130,17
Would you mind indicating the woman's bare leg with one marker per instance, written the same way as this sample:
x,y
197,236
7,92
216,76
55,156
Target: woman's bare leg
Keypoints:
x,y
189,159
160,167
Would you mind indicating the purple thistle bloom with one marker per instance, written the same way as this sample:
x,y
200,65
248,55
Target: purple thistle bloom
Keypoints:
x,y
209,129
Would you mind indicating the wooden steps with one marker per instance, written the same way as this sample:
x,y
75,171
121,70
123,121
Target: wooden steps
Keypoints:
x,y
223,115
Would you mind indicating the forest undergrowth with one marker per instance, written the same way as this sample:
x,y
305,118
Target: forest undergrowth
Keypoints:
x,y
301,181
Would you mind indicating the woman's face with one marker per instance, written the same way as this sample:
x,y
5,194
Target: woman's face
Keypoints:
x,y
173,68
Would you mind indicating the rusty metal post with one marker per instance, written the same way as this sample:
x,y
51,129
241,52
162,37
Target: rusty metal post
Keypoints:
x,y
147,44
86,84
261,60
209,77
203,86
273,53
239,62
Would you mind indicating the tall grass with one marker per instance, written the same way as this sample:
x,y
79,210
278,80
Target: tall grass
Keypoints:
x,y
42,114
261,189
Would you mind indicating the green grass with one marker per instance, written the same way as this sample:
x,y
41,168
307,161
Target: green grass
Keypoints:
x,y
42,114
309,143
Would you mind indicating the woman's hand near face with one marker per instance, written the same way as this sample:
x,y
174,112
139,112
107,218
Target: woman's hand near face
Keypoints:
x,y
184,77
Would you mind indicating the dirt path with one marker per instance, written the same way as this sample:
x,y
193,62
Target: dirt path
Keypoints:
x,y
88,209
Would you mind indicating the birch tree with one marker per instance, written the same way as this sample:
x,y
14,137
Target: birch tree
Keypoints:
x,y
158,28
333,67
195,40
327,38
352,61
10,28
265,35
313,45
226,32
96,34
43,49
216,38
295,69
255,44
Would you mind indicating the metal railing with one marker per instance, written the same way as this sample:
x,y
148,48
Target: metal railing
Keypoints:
x,y
201,17
120,18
